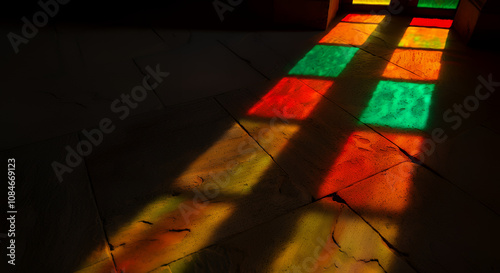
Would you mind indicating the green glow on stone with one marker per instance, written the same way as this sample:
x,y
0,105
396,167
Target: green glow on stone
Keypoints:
x,y
438,4
399,105
324,61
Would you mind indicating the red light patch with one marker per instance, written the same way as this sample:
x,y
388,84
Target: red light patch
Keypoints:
x,y
365,153
426,22
291,98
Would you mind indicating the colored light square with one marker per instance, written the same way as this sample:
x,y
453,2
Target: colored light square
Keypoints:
x,y
349,34
412,64
324,61
421,37
438,4
400,105
291,98
364,154
371,2
426,22
363,18
388,192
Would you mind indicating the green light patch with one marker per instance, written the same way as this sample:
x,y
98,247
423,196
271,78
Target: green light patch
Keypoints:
x,y
438,4
324,61
399,105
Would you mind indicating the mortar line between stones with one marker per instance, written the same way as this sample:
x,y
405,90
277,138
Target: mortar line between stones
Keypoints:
x,y
238,233
389,245
248,133
363,179
101,220
153,89
244,60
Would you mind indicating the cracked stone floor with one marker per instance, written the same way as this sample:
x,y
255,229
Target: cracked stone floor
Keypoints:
x,y
276,151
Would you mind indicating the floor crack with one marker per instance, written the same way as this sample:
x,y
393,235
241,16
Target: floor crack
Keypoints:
x,y
248,133
352,256
389,61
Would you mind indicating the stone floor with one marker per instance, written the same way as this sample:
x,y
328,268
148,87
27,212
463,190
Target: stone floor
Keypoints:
x,y
233,165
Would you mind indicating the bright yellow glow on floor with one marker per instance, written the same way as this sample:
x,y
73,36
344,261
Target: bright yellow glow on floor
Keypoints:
x,y
371,2
310,247
349,34
410,64
422,37
309,240
248,164
359,240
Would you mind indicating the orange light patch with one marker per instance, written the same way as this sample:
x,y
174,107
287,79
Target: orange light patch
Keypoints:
x,y
363,18
426,22
421,37
411,143
291,98
371,2
172,239
412,64
349,34
386,193
363,155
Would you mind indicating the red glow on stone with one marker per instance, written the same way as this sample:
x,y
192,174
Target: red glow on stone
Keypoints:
x,y
364,154
426,22
387,192
291,98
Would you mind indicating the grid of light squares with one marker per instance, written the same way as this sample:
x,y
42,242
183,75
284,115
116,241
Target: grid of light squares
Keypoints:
x,y
406,105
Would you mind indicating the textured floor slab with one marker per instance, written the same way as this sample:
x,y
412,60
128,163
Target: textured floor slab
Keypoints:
x,y
52,216
321,237
180,201
422,215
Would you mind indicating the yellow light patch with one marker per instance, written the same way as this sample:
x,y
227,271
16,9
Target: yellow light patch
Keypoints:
x,y
249,162
310,241
422,37
371,2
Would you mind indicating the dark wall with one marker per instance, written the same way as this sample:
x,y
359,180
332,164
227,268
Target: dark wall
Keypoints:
x,y
175,13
